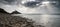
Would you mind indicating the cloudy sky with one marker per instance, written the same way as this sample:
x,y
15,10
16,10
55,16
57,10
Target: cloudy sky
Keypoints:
x,y
30,6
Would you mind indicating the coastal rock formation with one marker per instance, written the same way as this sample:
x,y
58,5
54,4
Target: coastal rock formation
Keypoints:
x,y
6,20
3,11
15,12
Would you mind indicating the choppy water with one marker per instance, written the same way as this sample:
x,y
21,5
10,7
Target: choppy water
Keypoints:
x,y
46,20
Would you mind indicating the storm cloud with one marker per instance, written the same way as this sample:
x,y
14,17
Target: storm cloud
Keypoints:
x,y
44,7
8,5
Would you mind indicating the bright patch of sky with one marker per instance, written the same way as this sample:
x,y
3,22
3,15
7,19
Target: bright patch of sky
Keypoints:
x,y
45,7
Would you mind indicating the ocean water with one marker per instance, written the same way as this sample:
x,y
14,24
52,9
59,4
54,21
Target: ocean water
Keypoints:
x,y
45,20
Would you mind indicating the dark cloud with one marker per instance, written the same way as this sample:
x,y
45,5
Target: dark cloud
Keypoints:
x,y
11,5
31,4
7,1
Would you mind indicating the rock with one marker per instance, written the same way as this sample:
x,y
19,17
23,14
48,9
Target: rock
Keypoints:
x,y
6,20
3,11
15,12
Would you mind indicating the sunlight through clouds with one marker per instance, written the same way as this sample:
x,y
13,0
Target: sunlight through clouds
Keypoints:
x,y
42,7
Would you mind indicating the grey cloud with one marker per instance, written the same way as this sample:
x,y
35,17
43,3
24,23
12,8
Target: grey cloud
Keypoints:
x,y
7,1
8,5
12,5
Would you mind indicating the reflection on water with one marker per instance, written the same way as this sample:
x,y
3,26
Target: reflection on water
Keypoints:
x,y
46,20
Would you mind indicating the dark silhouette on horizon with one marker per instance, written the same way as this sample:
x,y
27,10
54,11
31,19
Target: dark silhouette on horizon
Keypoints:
x,y
15,12
3,11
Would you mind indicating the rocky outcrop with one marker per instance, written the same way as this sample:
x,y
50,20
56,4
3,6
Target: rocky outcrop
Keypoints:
x,y
6,20
3,11
15,12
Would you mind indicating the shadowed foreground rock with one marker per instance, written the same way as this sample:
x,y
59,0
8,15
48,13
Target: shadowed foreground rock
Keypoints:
x,y
6,20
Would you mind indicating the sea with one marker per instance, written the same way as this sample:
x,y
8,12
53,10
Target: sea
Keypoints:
x,y
45,20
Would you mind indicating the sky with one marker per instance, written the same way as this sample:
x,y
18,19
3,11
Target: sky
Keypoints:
x,y
30,6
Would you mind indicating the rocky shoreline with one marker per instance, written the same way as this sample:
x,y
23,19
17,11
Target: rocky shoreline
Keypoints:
x,y
6,20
